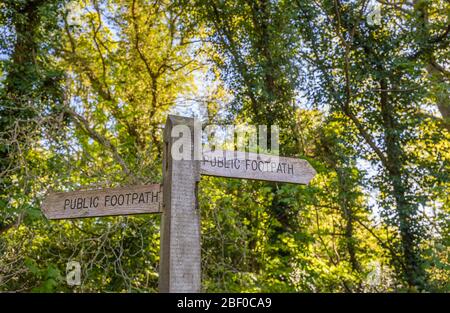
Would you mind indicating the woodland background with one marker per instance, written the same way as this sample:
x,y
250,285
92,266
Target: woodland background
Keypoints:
x,y
86,86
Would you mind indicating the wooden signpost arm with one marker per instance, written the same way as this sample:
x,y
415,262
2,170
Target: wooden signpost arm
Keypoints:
x,y
180,263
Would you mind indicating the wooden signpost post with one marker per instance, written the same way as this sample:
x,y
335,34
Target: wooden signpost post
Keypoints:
x,y
180,269
176,199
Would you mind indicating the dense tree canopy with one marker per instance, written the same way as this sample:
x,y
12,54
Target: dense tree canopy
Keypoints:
x,y
85,88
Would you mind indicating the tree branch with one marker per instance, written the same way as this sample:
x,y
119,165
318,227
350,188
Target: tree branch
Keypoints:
x,y
83,124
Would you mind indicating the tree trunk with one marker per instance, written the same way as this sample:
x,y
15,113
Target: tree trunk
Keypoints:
x,y
348,215
406,211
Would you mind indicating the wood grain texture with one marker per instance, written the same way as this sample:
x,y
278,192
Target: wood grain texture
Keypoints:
x,y
256,166
138,199
180,262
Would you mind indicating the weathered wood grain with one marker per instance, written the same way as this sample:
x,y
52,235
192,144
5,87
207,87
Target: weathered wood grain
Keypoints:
x,y
180,263
256,166
138,199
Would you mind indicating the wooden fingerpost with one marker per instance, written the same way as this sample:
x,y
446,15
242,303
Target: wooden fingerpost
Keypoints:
x,y
180,262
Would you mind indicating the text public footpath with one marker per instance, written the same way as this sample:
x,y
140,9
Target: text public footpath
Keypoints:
x,y
112,200
253,165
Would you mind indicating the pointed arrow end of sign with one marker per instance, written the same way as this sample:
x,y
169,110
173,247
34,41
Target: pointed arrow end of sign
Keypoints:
x,y
45,207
